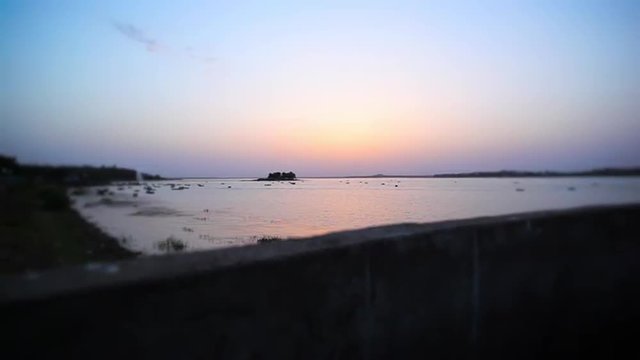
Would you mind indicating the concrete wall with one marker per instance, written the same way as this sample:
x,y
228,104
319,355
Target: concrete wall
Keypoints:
x,y
525,286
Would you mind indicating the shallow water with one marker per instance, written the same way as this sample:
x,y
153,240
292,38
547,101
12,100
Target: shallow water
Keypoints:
x,y
216,213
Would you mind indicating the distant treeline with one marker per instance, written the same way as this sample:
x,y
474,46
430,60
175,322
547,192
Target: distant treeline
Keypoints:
x,y
68,175
512,173
515,173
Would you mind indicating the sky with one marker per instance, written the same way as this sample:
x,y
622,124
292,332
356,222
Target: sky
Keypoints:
x,y
321,88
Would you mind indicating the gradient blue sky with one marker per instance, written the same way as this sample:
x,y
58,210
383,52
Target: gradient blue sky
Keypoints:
x,y
240,88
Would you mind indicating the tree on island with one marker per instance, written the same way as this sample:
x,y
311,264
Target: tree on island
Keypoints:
x,y
280,176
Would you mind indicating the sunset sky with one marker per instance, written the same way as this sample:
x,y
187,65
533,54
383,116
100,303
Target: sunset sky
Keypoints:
x,y
241,88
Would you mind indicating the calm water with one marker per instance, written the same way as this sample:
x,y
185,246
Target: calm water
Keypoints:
x,y
209,214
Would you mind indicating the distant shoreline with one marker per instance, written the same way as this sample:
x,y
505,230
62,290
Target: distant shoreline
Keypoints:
x,y
607,172
517,174
621,172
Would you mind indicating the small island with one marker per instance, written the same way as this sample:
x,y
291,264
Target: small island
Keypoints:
x,y
280,176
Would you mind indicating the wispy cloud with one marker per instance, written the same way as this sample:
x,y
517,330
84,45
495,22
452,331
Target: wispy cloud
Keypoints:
x,y
135,34
194,55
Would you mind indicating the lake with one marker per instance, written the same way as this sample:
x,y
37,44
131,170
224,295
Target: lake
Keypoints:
x,y
214,213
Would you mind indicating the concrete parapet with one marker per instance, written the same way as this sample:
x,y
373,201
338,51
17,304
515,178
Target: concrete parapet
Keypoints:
x,y
520,286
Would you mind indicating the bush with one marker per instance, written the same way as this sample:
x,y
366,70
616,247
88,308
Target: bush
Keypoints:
x,y
172,244
267,239
54,198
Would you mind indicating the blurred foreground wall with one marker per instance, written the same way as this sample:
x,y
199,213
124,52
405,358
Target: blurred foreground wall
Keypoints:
x,y
525,286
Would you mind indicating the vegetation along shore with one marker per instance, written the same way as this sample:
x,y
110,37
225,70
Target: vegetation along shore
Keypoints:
x,y
38,227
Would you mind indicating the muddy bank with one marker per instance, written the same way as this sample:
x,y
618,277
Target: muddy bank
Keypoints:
x,y
40,230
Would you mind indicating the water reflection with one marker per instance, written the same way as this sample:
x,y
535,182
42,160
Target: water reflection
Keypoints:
x,y
236,212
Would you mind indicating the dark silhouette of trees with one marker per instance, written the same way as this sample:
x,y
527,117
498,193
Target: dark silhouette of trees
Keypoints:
x,y
69,175
280,176
8,164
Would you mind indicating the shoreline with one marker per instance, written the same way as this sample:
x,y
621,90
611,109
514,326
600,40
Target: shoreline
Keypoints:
x,y
37,236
